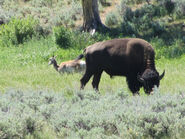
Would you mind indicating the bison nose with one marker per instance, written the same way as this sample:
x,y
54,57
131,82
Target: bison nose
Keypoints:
x,y
154,89
152,92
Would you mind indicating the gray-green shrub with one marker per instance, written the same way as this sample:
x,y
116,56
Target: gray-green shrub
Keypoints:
x,y
89,114
150,20
5,16
112,19
180,9
141,22
175,8
17,31
49,12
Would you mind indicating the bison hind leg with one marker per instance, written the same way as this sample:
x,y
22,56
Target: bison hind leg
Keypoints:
x,y
96,80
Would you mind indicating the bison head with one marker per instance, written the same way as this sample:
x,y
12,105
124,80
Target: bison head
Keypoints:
x,y
150,79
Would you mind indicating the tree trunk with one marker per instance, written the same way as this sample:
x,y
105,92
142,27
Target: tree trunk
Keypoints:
x,y
148,1
91,18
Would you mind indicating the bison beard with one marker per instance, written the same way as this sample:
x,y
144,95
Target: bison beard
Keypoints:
x,y
133,58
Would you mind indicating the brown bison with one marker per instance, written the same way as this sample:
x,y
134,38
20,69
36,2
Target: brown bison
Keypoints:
x,y
132,58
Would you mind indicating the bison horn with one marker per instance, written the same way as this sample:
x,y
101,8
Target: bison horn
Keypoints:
x,y
162,75
140,79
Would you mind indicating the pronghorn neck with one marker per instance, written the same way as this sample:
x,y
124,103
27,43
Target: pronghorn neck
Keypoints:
x,y
55,65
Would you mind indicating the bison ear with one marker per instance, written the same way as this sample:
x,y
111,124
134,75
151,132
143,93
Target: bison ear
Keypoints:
x,y
140,79
162,75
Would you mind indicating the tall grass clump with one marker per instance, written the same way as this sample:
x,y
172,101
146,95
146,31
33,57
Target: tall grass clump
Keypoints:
x,y
176,49
88,114
66,38
17,31
62,37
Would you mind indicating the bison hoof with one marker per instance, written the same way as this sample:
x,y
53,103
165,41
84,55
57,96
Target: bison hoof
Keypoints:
x,y
136,94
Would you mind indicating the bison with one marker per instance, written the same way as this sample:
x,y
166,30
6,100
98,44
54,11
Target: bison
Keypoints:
x,y
133,58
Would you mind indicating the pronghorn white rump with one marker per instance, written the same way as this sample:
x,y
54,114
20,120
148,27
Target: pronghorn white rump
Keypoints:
x,y
68,66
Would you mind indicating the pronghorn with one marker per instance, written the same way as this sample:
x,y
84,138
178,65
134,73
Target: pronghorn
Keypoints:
x,y
71,66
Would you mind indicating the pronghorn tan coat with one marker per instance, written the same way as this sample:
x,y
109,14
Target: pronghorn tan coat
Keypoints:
x,y
68,66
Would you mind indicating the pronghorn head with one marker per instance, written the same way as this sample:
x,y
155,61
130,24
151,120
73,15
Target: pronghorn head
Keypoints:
x,y
52,60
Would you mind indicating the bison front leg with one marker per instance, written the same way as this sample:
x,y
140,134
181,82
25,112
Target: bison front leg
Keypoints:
x,y
96,80
133,85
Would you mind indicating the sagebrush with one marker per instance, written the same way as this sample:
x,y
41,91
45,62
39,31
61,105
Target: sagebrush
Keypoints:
x,y
89,114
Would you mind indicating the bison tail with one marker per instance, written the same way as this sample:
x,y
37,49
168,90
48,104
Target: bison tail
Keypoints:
x,y
79,57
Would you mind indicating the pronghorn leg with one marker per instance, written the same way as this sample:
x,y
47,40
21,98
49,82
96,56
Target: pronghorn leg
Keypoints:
x,y
96,80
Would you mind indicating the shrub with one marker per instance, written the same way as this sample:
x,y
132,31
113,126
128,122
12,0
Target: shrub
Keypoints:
x,y
48,12
150,20
126,11
131,2
141,22
170,6
175,8
180,9
82,39
175,49
89,114
105,2
17,31
62,37
158,27
67,16
112,19
5,16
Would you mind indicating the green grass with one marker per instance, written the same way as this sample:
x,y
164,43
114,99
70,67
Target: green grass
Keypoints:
x,y
42,114
26,67
173,81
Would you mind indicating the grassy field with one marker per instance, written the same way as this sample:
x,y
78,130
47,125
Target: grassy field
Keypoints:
x,y
27,67
27,83
36,102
